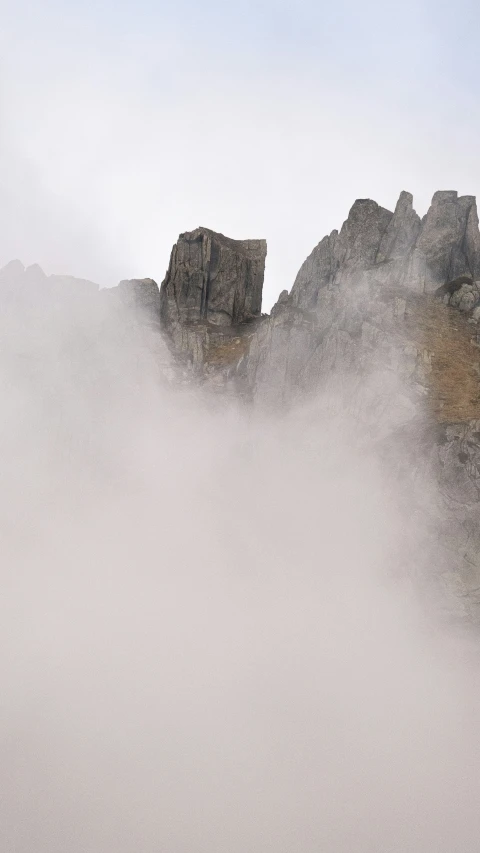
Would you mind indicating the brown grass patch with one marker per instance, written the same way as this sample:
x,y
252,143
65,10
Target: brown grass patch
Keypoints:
x,y
227,351
454,379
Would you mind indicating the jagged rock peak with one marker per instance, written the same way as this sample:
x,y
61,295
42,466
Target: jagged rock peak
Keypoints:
x,y
35,273
354,248
449,240
12,270
402,230
361,233
15,274
398,249
212,278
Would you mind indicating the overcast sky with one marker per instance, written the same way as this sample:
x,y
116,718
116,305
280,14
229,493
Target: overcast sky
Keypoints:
x,y
123,124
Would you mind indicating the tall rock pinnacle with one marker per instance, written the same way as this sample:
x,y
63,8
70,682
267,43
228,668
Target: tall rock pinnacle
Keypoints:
x,y
449,240
210,300
213,279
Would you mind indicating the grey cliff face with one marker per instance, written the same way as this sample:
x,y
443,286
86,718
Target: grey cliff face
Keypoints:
x,y
449,240
360,237
211,300
316,272
213,279
401,233
341,254
342,290
399,248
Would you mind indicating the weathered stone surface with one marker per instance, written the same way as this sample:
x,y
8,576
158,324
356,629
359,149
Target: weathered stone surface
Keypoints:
x,y
361,235
449,240
466,297
359,279
213,279
402,231
399,249
341,255
316,272
210,303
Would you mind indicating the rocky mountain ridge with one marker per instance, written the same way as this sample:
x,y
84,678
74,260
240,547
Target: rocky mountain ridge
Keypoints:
x,y
363,279
383,315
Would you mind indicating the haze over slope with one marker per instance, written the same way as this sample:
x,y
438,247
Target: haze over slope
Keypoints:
x,y
211,636
223,630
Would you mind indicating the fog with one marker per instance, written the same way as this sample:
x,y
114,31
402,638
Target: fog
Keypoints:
x,y
211,633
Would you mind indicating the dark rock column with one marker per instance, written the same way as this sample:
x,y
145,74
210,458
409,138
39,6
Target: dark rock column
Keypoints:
x,y
213,279
210,301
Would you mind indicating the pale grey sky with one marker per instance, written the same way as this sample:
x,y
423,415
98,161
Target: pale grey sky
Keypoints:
x,y
123,124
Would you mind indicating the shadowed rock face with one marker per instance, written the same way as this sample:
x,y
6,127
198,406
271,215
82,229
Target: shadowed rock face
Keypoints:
x,y
213,279
210,302
401,233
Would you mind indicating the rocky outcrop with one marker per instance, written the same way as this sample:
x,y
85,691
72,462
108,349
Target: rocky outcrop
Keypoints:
x,y
353,289
213,279
211,300
398,249
341,254
402,232
359,239
449,241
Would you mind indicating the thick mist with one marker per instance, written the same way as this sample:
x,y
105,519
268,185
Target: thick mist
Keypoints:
x,y
212,638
